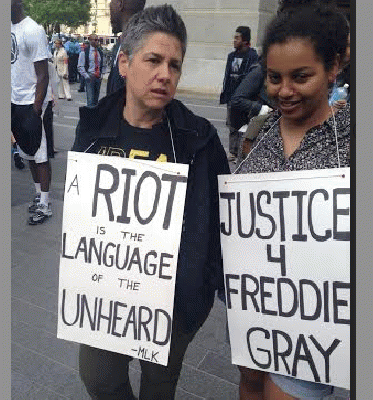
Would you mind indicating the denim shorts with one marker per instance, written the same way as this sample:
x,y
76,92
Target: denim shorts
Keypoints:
x,y
301,389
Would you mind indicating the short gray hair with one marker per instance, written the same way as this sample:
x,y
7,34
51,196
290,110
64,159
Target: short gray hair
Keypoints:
x,y
151,20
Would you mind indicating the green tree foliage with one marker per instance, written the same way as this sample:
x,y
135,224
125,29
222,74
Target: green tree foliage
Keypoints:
x,y
53,13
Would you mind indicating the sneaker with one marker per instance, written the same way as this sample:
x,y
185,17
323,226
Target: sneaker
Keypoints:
x,y
34,204
42,213
18,162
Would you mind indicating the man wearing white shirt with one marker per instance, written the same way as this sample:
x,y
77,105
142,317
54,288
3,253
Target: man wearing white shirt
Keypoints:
x,y
29,100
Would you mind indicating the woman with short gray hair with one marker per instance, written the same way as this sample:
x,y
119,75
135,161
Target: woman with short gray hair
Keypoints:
x,y
143,120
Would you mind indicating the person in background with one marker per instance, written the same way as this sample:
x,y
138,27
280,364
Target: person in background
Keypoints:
x,y
249,100
51,109
238,63
73,54
81,89
66,44
61,62
301,54
29,88
120,12
90,65
143,120
50,45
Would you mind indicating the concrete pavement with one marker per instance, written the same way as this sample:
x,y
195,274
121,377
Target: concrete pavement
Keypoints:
x,y
46,368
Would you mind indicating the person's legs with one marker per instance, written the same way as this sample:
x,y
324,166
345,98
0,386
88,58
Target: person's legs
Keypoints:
x,y
40,169
233,141
48,128
34,172
70,70
75,67
66,88
89,87
284,387
232,136
105,374
158,382
251,384
273,392
43,176
82,84
40,208
97,90
61,92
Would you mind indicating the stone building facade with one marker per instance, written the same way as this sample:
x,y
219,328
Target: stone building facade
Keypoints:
x,y
211,25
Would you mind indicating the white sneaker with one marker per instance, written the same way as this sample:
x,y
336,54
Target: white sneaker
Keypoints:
x,y
42,213
34,204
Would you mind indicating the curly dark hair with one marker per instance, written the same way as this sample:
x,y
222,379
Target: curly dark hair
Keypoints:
x,y
321,23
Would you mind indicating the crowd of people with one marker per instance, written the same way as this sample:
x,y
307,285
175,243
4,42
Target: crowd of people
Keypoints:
x,y
305,51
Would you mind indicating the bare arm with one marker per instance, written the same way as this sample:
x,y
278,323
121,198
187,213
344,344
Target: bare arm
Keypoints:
x,y
42,80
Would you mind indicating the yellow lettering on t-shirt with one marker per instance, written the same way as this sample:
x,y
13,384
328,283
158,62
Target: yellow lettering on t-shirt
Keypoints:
x,y
139,153
162,158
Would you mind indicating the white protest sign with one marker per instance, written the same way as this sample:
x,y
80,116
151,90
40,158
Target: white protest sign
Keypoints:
x,y
121,230
286,250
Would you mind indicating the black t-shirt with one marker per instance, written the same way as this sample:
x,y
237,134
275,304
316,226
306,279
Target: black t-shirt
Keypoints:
x,y
148,144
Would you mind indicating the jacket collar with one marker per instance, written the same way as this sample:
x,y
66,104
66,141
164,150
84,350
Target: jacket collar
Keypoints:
x,y
103,121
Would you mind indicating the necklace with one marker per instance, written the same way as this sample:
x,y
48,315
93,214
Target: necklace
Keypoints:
x,y
172,139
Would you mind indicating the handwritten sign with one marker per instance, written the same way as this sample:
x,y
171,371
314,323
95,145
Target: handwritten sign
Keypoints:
x,y
122,222
286,251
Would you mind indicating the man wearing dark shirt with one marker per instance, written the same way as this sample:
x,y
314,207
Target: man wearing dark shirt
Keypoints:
x,y
238,63
120,12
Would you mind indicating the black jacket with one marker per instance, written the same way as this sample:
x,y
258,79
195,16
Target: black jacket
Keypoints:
x,y
200,271
249,97
231,83
114,80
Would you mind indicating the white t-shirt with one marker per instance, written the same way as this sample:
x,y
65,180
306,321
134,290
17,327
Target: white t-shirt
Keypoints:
x,y
29,44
